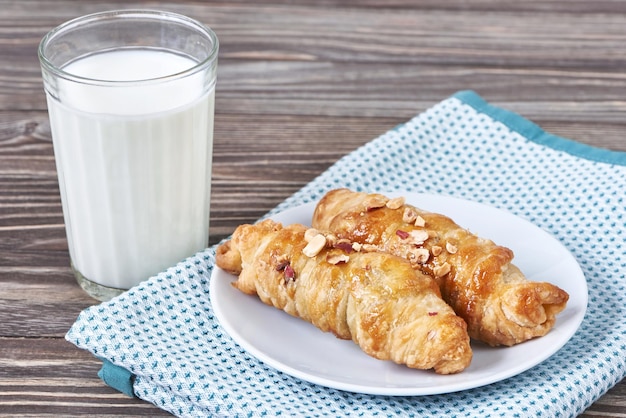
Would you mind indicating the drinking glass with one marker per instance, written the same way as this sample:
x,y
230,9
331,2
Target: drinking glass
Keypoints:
x,y
130,97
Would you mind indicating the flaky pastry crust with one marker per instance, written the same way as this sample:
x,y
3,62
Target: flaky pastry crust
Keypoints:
x,y
475,276
378,300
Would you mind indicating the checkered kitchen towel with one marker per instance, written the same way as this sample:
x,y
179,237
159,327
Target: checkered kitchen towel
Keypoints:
x,y
163,339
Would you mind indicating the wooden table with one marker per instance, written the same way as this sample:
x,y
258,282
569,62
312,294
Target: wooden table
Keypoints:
x,y
300,84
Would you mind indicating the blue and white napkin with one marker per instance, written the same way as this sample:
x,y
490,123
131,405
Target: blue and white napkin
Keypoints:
x,y
161,341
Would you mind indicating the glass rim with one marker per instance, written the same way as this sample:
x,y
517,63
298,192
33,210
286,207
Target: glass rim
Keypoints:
x,y
116,14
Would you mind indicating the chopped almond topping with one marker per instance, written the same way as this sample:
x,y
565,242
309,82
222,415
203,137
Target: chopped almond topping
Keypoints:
x,y
310,233
409,216
442,270
369,248
436,250
290,274
317,244
451,248
418,255
375,202
331,240
344,244
336,258
356,246
418,236
282,265
419,221
396,203
402,234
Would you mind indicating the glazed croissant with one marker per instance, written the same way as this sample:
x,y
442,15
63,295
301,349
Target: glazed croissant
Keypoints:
x,y
391,311
475,276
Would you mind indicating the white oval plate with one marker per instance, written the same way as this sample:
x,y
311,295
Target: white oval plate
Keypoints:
x,y
297,348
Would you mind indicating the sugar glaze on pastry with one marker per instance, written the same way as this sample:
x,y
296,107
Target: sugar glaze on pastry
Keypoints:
x,y
391,311
475,276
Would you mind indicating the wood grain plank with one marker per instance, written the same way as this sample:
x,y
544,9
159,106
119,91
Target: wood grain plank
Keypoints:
x,y
301,83
270,47
545,6
51,377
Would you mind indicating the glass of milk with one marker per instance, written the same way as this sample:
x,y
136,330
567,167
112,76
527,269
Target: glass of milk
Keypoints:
x,y
131,102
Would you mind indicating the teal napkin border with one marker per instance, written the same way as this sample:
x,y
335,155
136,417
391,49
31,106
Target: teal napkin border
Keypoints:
x,y
117,377
534,133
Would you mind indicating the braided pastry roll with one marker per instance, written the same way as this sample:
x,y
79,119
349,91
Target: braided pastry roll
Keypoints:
x,y
391,311
475,276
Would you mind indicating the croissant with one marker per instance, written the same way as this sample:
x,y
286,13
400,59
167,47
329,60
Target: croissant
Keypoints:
x,y
475,276
378,300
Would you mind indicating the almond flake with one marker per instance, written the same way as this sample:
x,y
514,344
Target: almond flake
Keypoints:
x,y
402,234
436,250
331,240
337,258
395,203
356,246
451,248
369,248
375,202
442,270
310,233
409,216
344,245
289,273
419,221
313,248
418,255
418,236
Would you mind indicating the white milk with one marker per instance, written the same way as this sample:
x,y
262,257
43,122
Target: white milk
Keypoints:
x,y
134,173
